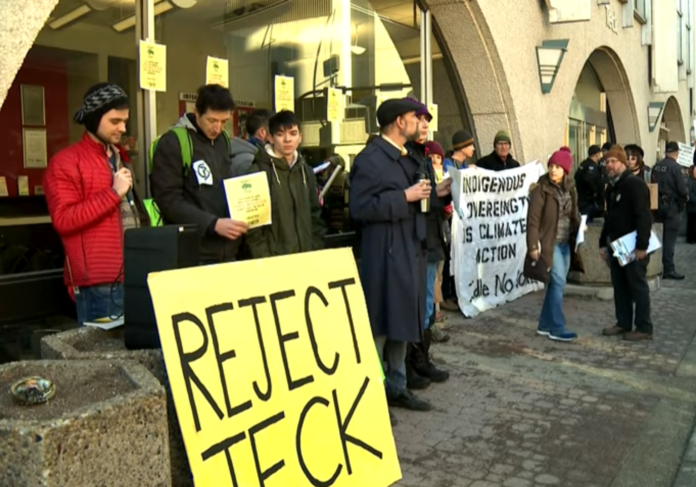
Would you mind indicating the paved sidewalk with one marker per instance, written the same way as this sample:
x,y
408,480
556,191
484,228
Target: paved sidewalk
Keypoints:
x,y
523,411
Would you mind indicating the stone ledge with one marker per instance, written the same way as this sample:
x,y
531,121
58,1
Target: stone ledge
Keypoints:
x,y
89,343
85,434
602,291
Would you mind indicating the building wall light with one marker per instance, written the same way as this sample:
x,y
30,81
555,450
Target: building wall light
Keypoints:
x,y
549,57
655,114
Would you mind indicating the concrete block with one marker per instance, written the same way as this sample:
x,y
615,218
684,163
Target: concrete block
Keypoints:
x,y
88,343
106,426
596,270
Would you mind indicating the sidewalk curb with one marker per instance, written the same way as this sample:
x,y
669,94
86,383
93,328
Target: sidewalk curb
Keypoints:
x,y
603,293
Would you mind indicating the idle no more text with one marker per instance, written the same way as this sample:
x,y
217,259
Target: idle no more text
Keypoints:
x,y
248,312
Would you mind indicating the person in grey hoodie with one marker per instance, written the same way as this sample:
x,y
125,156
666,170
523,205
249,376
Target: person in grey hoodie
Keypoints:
x,y
197,195
242,150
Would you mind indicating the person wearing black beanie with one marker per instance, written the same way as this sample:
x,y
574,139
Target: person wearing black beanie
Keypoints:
x,y
99,100
89,192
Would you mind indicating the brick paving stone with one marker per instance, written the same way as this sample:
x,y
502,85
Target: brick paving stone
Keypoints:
x,y
522,411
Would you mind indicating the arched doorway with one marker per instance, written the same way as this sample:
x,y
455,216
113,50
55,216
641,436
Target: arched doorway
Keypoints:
x,y
671,127
602,108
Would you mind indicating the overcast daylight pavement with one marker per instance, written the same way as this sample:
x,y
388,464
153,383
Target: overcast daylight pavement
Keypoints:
x,y
523,411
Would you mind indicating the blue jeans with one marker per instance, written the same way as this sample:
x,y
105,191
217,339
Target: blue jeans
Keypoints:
x,y
95,302
394,353
552,318
431,277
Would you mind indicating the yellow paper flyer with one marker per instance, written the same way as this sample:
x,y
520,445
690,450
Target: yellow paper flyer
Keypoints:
x,y
217,72
433,111
333,105
284,93
153,66
249,199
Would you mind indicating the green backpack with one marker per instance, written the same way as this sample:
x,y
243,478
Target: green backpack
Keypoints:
x,y
186,145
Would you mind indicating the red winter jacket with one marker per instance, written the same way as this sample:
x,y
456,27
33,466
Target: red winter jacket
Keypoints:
x,y
86,213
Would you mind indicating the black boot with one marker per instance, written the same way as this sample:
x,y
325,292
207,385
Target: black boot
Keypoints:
x,y
423,364
414,380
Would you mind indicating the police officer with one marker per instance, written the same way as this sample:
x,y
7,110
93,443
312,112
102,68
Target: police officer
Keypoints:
x,y
673,196
590,184
606,147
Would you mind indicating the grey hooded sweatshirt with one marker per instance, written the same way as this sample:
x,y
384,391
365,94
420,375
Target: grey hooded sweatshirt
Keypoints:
x,y
243,153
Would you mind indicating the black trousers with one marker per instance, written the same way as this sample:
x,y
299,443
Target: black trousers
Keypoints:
x,y
670,230
447,285
631,286
691,227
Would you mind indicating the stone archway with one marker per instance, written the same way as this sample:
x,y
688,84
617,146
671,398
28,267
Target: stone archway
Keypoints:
x,y
622,107
468,45
673,122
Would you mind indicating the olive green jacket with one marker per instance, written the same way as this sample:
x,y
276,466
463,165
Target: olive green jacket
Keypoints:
x,y
295,212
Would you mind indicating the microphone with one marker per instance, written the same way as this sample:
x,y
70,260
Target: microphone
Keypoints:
x,y
129,197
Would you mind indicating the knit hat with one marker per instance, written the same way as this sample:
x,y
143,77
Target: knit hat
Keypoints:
x,y
502,136
562,158
593,150
433,147
423,110
617,152
462,139
100,99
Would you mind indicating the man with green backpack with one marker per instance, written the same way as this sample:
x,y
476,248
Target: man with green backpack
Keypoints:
x,y
188,164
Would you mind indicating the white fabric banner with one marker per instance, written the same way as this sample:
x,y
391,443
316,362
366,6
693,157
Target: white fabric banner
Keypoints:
x,y
489,231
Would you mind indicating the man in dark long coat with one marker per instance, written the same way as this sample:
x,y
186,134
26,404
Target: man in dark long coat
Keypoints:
x,y
385,199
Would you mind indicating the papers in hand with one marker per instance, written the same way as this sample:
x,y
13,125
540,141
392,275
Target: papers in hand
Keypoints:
x,y
105,323
624,247
249,199
581,232
321,167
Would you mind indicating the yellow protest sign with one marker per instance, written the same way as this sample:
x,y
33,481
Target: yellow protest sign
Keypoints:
x,y
153,66
249,199
274,373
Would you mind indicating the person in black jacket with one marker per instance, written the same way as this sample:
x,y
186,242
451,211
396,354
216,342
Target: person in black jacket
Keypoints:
x,y
420,365
673,195
628,210
500,159
197,195
589,183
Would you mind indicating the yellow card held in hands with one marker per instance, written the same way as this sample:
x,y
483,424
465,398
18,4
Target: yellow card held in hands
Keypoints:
x,y
249,199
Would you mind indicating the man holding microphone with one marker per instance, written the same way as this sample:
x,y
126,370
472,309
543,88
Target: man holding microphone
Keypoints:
x,y
90,196
387,187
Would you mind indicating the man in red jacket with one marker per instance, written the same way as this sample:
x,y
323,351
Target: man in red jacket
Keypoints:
x,y
89,191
